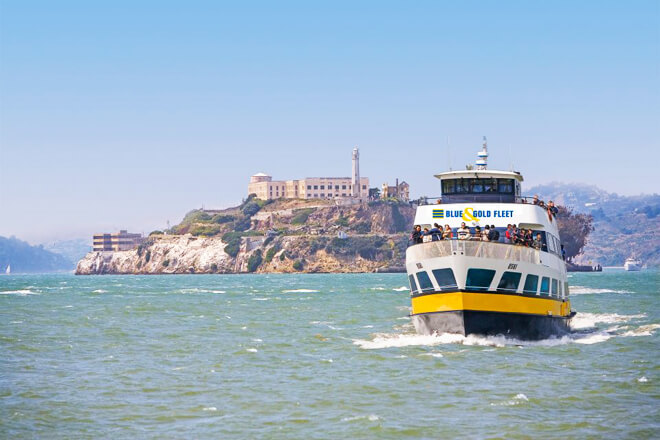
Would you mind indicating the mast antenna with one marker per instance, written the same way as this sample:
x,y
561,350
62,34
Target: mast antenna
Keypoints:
x,y
482,161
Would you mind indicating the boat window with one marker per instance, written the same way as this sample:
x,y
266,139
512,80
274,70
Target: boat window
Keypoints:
x,y
566,291
425,283
531,284
505,185
509,282
545,285
479,279
551,243
413,285
555,287
476,185
462,186
445,279
449,186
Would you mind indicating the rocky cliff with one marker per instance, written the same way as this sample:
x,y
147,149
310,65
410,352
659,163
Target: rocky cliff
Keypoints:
x,y
281,237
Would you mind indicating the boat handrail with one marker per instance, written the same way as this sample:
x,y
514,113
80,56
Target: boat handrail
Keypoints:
x,y
475,248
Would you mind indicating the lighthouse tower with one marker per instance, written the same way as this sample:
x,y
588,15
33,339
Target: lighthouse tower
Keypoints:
x,y
355,177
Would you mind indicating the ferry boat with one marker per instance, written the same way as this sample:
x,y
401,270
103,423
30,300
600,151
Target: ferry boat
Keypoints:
x,y
470,286
632,264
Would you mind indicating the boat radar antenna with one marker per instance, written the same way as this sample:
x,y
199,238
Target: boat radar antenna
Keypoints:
x,y
482,161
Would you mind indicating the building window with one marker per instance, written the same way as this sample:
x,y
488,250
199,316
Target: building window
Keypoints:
x,y
336,187
445,279
343,195
322,186
316,187
509,282
545,285
309,186
479,279
413,285
424,282
364,186
322,194
343,187
531,284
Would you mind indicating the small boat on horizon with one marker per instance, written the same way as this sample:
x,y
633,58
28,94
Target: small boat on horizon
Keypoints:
x,y
632,264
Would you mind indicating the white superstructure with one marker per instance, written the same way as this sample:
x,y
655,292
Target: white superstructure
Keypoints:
x,y
632,264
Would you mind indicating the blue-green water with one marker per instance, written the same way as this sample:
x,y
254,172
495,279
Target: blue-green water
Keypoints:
x,y
313,356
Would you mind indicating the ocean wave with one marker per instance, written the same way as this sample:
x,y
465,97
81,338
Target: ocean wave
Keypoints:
x,y
20,292
518,399
642,330
582,290
377,288
99,291
370,417
300,291
197,290
401,289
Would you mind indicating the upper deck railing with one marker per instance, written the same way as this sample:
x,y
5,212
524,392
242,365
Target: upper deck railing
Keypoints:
x,y
483,249
479,198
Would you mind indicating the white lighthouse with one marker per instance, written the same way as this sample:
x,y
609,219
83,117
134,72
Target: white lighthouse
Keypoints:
x,y
355,179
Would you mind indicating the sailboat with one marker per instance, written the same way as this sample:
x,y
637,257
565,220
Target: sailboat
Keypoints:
x,y
8,270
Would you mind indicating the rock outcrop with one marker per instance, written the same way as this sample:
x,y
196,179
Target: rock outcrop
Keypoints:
x,y
282,238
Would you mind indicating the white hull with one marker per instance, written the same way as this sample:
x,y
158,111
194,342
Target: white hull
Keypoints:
x,y
632,266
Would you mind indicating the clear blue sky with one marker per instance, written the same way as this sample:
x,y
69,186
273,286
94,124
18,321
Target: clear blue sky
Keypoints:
x,y
127,114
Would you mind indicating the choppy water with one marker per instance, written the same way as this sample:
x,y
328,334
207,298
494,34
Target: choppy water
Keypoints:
x,y
313,356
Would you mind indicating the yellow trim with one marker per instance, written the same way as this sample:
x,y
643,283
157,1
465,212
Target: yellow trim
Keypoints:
x,y
489,302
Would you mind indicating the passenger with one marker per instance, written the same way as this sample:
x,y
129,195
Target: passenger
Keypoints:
x,y
542,204
464,232
436,232
485,235
508,234
495,234
529,238
426,236
536,199
477,233
447,234
538,243
524,201
438,202
552,208
518,236
416,234
563,252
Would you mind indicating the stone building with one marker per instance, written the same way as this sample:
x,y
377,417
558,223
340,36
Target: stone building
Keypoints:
x,y
400,191
119,241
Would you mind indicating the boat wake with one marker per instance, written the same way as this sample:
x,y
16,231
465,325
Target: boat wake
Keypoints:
x,y
582,290
587,328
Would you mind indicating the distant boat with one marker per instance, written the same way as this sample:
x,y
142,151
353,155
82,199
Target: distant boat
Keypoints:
x,y
632,264
8,270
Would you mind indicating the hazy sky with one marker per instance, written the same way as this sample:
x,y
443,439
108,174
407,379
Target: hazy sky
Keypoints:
x,y
127,114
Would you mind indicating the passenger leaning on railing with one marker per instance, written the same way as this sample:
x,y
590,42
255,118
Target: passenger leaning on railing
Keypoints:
x,y
463,232
447,234
416,236
436,232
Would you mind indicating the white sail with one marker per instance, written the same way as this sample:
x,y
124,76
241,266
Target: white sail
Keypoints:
x,y
8,270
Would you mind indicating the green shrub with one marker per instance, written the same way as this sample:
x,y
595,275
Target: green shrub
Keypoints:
x,y
271,252
254,261
147,256
205,230
166,263
196,216
301,216
342,221
362,228
214,267
282,256
156,232
242,224
251,208
233,247
219,218
298,265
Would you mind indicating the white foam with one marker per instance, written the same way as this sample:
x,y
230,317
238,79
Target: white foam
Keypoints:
x,y
377,288
642,379
518,399
435,355
370,417
260,299
300,291
99,291
210,408
251,350
401,289
642,330
582,290
589,320
22,292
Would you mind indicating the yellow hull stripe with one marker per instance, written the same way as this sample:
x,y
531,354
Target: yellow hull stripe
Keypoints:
x,y
488,302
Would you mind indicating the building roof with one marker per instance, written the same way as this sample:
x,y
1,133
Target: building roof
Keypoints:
x,y
483,174
261,175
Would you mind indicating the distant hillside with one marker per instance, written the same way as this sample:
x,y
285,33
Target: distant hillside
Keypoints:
x,y
26,258
72,250
622,224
